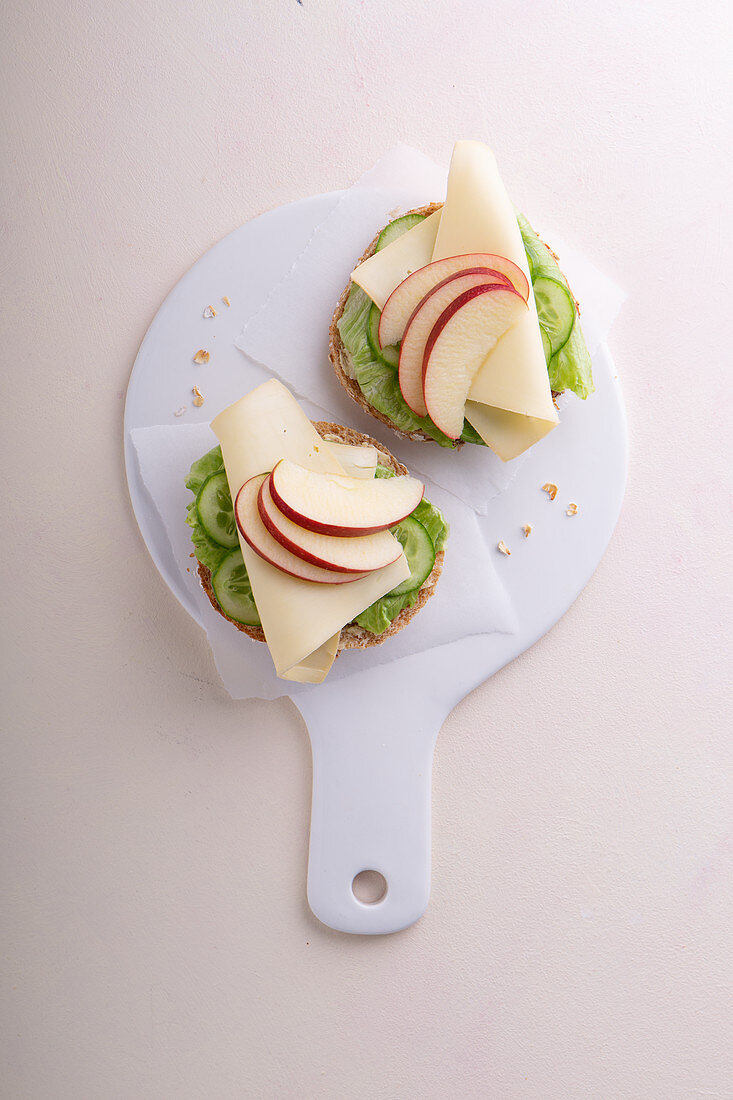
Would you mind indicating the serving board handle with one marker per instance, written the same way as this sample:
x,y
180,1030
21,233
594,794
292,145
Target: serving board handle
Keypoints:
x,y
372,763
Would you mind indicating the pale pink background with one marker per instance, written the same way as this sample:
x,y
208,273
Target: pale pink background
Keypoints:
x,y
155,931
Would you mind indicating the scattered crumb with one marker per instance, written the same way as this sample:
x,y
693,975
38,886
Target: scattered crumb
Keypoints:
x,y
198,397
572,510
209,312
181,411
550,489
201,356
527,530
503,548
226,301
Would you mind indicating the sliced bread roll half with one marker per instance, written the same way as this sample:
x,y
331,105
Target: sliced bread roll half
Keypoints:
x,y
339,356
352,635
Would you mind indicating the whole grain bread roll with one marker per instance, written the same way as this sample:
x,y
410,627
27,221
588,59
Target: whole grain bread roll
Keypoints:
x,y
352,636
339,356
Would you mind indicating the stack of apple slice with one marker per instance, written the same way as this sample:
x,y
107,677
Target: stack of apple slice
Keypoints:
x,y
447,317
325,528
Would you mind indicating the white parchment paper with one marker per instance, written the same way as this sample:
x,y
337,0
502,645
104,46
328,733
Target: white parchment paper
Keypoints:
x,y
469,598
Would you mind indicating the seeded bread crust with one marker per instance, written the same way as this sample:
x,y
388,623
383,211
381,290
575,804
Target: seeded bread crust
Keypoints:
x,y
352,636
339,356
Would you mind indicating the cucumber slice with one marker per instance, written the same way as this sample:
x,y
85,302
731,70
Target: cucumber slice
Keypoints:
x,y
555,309
419,551
396,228
389,355
215,512
233,590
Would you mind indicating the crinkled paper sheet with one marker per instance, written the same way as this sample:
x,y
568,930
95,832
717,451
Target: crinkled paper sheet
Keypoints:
x,y
469,598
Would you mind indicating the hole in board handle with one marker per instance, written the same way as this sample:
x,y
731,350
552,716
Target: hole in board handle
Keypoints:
x,y
369,887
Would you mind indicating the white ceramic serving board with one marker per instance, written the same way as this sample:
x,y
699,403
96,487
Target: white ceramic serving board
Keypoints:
x,y
373,733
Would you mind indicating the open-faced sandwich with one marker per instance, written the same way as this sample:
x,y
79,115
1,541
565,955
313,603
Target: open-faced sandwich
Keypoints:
x,y
458,325
309,536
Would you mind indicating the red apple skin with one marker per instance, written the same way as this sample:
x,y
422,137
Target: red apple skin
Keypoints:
x,y
499,265
488,276
299,551
450,310
328,528
330,576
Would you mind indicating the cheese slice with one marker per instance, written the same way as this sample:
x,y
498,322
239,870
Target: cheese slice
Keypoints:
x,y
510,434
381,273
317,665
478,216
510,402
301,621
357,461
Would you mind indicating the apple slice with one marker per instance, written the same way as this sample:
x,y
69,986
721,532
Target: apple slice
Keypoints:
x,y
256,535
421,323
405,297
343,555
335,504
467,330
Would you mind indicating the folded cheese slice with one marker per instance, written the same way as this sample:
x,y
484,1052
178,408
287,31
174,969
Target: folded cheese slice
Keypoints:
x,y
302,621
478,216
357,461
381,273
510,434
510,401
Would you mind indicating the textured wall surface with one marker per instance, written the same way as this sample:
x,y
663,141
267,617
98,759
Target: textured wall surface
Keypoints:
x,y
155,932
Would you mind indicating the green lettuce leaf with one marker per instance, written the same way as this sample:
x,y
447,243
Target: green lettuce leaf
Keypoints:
x,y
570,368
434,523
540,259
203,468
208,552
378,617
